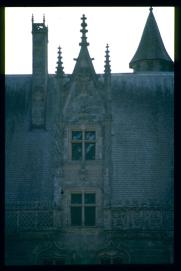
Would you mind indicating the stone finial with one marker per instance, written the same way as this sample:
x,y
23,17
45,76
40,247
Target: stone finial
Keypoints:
x,y
43,18
107,66
59,71
84,31
150,9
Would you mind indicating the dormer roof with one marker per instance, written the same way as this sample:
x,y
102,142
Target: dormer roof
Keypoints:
x,y
84,64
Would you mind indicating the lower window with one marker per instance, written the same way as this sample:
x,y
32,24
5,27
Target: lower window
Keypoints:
x,y
83,209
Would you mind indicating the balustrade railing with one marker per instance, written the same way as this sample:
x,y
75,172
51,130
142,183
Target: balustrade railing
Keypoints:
x,y
31,216
35,217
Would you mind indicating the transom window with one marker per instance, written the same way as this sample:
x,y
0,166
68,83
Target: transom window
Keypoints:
x,y
83,209
83,145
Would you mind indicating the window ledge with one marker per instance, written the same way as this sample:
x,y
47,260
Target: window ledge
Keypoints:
x,y
82,228
86,162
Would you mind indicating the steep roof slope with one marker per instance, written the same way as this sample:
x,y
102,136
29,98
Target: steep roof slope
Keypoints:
x,y
142,137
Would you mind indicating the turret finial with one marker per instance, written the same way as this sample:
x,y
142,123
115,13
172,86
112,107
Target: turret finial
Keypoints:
x,y
32,18
150,9
84,31
59,71
107,66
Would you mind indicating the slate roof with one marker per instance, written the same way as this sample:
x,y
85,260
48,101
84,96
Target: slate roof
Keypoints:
x,y
151,45
28,152
142,136
142,113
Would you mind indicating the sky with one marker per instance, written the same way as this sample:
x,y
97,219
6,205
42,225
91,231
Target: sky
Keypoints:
x,y
120,27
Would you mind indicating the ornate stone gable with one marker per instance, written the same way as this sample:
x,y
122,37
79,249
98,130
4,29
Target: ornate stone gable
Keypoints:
x,y
84,101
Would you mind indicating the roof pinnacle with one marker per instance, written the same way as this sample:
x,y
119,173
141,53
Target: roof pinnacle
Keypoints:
x,y
59,71
32,18
150,9
84,31
43,18
107,66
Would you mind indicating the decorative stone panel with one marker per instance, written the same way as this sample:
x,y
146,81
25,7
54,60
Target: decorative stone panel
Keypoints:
x,y
28,220
132,218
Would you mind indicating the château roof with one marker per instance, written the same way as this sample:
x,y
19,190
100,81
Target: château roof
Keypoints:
x,y
137,102
151,45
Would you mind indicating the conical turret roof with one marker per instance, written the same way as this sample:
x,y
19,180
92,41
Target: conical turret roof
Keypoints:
x,y
151,46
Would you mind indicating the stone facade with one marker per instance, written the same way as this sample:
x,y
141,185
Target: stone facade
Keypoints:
x,y
120,163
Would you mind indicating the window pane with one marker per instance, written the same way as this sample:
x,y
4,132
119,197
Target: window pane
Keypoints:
x,y
89,216
76,135
76,216
76,151
90,198
76,198
90,135
90,151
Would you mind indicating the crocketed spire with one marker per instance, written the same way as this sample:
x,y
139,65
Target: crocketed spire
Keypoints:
x,y
84,31
107,66
84,67
59,71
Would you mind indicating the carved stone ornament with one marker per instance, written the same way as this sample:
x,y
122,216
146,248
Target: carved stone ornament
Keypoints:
x,y
83,173
137,219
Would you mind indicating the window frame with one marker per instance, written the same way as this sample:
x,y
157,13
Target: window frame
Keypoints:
x,y
83,142
83,206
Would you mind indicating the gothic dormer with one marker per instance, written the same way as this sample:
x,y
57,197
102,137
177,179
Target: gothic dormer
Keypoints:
x,y
151,54
83,94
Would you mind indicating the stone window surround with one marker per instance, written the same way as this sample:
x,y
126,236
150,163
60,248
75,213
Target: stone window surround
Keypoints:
x,y
67,202
83,127
82,205
83,141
